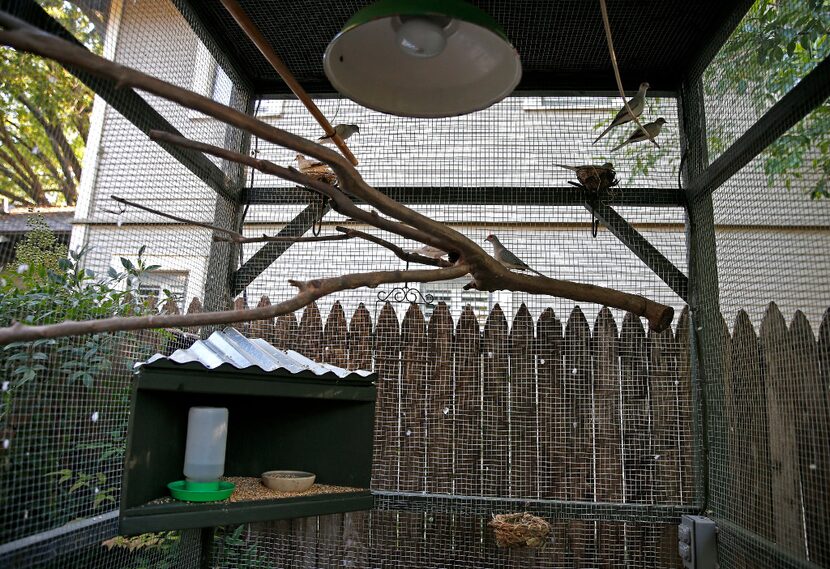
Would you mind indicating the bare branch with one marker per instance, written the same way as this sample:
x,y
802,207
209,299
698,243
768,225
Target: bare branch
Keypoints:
x,y
277,239
309,291
340,202
488,273
234,236
400,253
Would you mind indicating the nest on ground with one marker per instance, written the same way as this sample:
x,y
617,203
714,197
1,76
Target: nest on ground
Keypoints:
x,y
519,530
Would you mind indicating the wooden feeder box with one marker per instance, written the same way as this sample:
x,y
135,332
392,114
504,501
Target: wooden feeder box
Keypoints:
x,y
285,412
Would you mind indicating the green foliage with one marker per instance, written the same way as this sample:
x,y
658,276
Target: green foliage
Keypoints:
x,y
44,117
153,550
240,550
40,247
776,45
79,451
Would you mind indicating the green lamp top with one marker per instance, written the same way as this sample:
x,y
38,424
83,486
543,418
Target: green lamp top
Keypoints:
x,y
455,9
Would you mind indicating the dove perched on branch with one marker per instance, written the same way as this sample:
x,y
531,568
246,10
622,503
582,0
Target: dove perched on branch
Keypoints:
x,y
594,177
637,104
315,169
506,257
429,251
652,128
344,130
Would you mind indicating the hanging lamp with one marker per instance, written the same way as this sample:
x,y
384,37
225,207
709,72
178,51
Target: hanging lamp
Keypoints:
x,y
422,58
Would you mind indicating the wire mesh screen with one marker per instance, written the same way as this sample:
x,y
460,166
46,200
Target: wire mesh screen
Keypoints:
x,y
764,325
488,402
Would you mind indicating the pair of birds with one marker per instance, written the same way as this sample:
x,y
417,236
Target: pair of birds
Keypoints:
x,y
637,104
501,253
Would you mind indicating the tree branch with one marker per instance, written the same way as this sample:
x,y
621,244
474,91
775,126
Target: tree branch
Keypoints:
x,y
309,291
400,253
232,236
613,55
488,273
340,202
60,146
278,239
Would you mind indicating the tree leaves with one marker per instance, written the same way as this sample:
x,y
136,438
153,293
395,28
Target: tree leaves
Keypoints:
x,y
775,46
44,118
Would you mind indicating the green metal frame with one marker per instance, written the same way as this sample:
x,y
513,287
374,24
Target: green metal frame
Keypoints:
x,y
641,247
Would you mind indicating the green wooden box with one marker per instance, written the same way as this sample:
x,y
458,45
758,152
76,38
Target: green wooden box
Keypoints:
x,y
276,421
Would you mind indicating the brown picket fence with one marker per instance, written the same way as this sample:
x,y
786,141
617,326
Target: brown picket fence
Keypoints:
x,y
550,410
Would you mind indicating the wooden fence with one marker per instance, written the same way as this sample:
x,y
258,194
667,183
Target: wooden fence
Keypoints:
x,y
551,410
529,410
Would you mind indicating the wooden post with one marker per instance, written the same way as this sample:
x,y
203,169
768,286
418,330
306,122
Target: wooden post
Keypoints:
x,y
524,426
335,337
440,410
285,332
494,424
360,339
310,333
552,427
413,378
387,366
751,434
577,385
263,328
812,419
607,434
786,490
467,405
638,461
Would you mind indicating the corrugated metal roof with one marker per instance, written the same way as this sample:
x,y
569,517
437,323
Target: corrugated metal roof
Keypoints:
x,y
231,347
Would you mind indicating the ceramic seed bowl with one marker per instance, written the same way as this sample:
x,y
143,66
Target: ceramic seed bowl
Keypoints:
x,y
288,480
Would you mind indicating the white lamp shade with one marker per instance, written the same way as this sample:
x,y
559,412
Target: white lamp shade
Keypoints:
x,y
475,69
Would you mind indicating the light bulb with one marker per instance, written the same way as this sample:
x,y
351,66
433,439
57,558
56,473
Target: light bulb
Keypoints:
x,y
421,37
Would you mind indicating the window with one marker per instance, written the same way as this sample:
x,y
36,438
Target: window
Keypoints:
x,y
270,108
164,285
210,80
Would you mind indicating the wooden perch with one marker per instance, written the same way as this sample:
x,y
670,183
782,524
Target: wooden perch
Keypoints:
x,y
400,253
488,274
278,239
230,235
256,37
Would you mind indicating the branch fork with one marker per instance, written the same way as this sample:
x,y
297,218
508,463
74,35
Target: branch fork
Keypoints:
x,y
390,215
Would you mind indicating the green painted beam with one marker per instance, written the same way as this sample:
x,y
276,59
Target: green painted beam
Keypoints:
x,y
557,196
640,246
270,252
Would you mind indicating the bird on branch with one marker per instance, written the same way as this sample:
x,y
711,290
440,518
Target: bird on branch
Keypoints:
x,y
344,130
652,128
429,251
594,178
507,258
315,169
637,104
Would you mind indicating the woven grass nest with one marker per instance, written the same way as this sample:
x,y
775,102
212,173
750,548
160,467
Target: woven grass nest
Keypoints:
x,y
519,530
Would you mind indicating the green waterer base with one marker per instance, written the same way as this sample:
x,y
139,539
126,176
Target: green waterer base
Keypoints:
x,y
190,491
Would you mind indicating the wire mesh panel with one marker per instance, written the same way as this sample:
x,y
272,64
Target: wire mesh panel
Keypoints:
x,y
434,539
488,402
760,326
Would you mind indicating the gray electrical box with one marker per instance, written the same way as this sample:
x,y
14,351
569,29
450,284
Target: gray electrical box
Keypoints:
x,y
697,542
